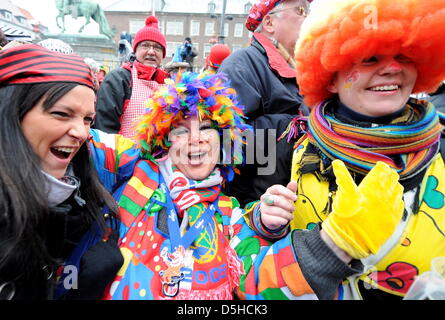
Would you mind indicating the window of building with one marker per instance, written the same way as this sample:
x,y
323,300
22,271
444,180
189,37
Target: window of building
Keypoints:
x,y
161,25
7,15
238,31
135,25
210,29
194,28
171,48
207,47
175,28
226,29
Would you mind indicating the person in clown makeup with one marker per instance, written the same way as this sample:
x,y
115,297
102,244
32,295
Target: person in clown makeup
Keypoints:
x,y
368,164
176,224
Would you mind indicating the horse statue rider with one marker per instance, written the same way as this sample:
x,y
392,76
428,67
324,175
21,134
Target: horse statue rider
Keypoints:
x,y
83,8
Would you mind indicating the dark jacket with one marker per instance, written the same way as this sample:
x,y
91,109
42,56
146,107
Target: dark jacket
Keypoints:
x,y
438,98
115,94
267,87
264,82
23,277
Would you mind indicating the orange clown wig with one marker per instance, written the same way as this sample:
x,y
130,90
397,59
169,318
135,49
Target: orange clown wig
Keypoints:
x,y
338,33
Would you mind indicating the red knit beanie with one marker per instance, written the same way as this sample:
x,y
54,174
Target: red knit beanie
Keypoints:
x,y
151,33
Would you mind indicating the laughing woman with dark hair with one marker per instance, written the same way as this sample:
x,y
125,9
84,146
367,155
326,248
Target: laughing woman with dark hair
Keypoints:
x,y
51,217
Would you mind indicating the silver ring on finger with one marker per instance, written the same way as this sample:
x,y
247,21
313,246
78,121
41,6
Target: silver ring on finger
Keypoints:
x,y
268,199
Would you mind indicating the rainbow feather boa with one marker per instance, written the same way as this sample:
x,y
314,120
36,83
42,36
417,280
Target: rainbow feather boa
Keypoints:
x,y
191,94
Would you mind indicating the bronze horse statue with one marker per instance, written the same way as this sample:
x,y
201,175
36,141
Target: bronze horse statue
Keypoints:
x,y
83,8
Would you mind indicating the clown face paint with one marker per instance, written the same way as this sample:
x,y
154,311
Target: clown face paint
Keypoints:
x,y
195,148
377,86
351,78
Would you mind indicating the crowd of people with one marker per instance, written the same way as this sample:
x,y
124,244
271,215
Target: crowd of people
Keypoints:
x,y
148,181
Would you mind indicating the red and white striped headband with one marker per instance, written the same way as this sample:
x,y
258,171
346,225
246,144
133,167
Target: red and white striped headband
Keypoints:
x,y
30,63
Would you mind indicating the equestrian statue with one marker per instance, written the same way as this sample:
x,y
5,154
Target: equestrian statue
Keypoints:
x,y
83,8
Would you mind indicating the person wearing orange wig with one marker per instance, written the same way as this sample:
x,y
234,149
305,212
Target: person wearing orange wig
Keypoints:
x,y
369,165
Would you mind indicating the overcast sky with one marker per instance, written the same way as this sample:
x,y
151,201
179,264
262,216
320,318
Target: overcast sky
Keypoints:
x,y
46,12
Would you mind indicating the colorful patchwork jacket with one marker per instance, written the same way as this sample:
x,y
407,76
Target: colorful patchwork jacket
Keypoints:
x,y
209,270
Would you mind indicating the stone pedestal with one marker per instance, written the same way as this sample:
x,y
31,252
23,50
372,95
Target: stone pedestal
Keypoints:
x,y
97,47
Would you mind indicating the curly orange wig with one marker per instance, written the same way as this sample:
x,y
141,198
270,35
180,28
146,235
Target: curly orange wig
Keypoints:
x,y
338,33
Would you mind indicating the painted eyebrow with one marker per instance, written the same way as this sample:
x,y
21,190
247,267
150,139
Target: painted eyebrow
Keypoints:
x,y
71,110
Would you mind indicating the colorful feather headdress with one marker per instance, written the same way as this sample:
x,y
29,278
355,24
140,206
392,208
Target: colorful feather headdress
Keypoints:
x,y
190,94
338,33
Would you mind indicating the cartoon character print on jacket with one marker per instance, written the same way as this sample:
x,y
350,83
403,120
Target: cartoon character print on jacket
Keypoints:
x,y
423,237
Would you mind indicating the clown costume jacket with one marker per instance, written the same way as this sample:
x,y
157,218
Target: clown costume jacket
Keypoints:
x,y
209,270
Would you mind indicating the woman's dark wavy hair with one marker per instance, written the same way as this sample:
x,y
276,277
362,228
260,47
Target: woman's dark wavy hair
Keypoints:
x,y
23,199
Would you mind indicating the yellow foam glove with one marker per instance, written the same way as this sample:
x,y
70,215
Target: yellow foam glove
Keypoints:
x,y
364,217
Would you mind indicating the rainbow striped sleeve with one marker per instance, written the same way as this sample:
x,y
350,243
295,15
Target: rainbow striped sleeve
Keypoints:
x,y
113,156
271,269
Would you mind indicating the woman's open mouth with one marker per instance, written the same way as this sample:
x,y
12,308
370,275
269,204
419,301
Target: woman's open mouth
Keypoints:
x,y
388,88
62,152
197,157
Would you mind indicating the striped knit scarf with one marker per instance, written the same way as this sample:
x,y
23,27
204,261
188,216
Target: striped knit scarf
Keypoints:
x,y
408,144
187,193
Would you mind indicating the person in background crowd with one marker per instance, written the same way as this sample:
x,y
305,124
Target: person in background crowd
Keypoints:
x,y
101,74
264,78
52,222
174,67
56,45
122,95
218,53
185,53
94,67
125,50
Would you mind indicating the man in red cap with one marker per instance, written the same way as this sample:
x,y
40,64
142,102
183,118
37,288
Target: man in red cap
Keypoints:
x,y
124,91
264,77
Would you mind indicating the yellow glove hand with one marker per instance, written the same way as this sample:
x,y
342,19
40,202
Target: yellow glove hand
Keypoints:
x,y
364,217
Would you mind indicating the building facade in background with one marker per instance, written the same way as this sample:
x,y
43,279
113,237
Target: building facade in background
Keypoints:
x,y
198,19
18,23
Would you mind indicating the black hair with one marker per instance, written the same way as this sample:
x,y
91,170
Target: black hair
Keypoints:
x,y
23,200
3,40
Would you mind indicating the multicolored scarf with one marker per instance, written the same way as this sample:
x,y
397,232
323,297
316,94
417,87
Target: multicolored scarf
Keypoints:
x,y
187,193
408,144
